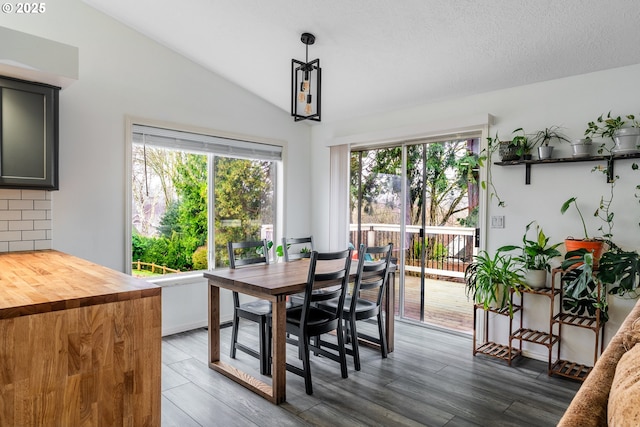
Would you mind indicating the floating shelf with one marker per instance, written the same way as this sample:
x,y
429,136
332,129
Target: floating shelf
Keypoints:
x,y
609,159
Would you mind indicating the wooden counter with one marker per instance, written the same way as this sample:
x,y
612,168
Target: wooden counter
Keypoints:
x,y
80,344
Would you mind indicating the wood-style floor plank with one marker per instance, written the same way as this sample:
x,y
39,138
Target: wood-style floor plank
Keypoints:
x,y
431,379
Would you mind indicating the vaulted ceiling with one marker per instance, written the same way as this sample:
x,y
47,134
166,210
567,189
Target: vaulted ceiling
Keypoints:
x,y
383,55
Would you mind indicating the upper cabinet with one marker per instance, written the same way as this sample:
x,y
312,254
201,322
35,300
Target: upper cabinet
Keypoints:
x,y
28,135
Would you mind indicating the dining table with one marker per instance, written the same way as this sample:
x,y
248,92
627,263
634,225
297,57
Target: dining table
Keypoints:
x,y
272,282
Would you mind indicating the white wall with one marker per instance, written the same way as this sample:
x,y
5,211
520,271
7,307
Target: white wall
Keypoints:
x,y
124,73
569,102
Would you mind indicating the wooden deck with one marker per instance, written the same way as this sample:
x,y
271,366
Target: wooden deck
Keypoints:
x,y
446,304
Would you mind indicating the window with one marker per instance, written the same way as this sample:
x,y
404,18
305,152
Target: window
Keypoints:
x,y
191,193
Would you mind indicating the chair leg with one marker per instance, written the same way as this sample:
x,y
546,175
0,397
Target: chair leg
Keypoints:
x,y
306,366
383,337
341,350
264,357
354,343
234,334
269,346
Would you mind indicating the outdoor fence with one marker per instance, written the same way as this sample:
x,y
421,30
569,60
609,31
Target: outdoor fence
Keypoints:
x,y
139,265
446,250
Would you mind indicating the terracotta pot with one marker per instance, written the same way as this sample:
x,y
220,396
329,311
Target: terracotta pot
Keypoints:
x,y
594,246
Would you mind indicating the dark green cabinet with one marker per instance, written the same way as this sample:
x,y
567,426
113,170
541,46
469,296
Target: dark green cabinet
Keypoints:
x,y
28,135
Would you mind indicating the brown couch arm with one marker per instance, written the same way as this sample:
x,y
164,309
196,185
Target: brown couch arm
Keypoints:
x,y
589,406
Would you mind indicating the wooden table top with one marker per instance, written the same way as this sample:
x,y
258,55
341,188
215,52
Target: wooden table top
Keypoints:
x,y
35,282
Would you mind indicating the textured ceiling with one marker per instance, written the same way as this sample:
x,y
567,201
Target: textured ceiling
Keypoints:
x,y
382,55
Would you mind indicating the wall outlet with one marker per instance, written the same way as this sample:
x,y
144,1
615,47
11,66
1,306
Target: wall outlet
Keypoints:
x,y
497,221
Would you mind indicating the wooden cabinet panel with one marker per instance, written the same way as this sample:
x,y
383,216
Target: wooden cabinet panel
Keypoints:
x,y
98,365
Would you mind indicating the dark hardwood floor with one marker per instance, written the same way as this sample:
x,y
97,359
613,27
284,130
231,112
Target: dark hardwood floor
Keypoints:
x,y
430,379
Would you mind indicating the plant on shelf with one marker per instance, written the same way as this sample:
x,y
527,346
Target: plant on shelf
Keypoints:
x,y
490,280
595,246
623,131
586,287
544,137
522,143
535,255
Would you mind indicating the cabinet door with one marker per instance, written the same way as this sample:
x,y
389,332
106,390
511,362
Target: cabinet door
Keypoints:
x,y
28,135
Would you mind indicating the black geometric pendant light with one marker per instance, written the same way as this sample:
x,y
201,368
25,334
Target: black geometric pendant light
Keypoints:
x,y
305,85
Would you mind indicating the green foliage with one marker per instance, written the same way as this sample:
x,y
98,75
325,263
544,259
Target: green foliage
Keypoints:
x,y
489,279
545,136
449,169
535,253
606,127
199,258
243,200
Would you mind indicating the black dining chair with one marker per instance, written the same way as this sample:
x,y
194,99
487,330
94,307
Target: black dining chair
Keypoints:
x,y
308,320
371,278
295,248
247,254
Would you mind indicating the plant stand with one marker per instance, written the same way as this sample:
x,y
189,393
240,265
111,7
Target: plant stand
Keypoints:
x,y
491,348
545,338
567,368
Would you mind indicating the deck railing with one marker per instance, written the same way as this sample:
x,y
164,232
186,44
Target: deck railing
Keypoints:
x,y
446,252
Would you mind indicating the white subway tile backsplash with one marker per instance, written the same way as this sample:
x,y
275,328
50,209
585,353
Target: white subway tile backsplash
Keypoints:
x,y
32,215
42,225
6,194
34,195
25,220
42,244
34,235
10,236
20,204
20,225
23,245
10,215
42,204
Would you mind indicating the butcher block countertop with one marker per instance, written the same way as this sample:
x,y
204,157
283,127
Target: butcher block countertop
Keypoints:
x,y
43,281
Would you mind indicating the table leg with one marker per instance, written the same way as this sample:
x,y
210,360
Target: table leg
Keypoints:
x,y
214,324
279,369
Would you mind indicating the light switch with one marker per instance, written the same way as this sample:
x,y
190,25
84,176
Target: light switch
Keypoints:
x,y
497,221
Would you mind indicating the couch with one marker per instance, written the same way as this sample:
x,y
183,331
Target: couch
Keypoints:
x,y
610,395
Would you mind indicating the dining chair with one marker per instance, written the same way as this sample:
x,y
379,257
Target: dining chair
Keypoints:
x,y
295,248
371,278
243,254
308,320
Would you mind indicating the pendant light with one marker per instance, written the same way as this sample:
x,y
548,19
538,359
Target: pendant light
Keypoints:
x,y
305,85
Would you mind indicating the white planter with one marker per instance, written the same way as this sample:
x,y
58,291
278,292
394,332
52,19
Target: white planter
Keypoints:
x,y
581,147
545,152
536,279
627,140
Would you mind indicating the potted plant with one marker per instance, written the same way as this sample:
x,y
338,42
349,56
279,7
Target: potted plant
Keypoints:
x,y
489,280
625,134
586,287
543,138
524,146
594,246
535,256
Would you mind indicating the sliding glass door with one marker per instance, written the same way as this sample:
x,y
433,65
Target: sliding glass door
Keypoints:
x,y
422,197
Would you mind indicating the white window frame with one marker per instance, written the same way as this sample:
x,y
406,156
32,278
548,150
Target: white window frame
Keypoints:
x,y
130,122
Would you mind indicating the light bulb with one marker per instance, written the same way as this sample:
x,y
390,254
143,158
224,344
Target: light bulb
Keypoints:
x,y
307,108
301,96
305,85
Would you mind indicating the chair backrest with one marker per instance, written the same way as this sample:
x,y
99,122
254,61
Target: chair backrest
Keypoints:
x,y
297,247
248,253
328,279
372,273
